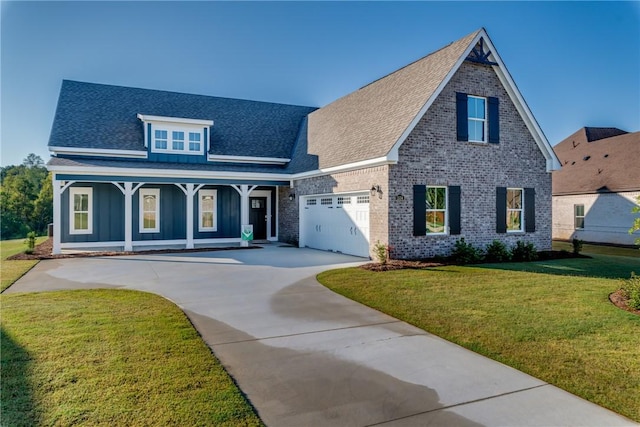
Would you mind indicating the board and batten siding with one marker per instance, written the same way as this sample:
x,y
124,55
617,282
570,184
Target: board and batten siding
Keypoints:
x,y
227,212
108,215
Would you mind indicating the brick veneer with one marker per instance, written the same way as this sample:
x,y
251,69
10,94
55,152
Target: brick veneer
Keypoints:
x,y
432,155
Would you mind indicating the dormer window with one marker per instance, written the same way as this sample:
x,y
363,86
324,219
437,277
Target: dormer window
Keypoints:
x,y
172,135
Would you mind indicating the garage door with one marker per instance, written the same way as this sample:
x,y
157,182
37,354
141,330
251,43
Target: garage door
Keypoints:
x,y
338,223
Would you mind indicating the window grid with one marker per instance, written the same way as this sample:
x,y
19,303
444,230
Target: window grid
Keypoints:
x,y
149,210
311,202
326,201
177,140
362,199
208,204
515,209
161,139
194,141
342,200
81,218
477,118
579,216
436,210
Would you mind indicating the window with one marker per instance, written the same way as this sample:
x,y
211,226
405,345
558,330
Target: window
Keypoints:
x,y
194,141
149,210
361,200
514,209
326,201
177,140
311,202
208,210
436,200
579,216
80,210
342,200
161,139
477,118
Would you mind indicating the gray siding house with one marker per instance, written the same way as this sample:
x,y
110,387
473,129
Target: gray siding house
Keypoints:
x,y
440,149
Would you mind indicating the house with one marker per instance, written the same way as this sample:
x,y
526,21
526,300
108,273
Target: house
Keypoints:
x,y
441,149
598,186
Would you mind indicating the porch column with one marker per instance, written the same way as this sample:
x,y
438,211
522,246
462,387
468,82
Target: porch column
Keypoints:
x,y
128,217
244,191
57,215
189,196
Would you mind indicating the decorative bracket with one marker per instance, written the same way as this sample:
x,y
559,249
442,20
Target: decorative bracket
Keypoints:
x,y
479,56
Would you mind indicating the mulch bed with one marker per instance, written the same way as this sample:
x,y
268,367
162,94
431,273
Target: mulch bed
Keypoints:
x,y
44,249
619,300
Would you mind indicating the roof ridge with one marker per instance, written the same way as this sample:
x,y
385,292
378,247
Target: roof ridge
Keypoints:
x,y
184,93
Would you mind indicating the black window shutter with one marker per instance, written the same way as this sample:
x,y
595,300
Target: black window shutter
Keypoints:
x,y
462,117
529,210
501,209
494,121
454,209
419,210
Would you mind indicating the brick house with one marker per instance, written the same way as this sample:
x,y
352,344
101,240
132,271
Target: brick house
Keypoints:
x,y
440,149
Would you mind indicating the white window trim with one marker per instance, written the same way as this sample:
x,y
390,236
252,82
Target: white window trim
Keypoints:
x,y
72,192
446,210
144,192
521,210
213,193
485,120
576,216
173,128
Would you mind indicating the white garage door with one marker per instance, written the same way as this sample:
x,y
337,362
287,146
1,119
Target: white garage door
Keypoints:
x,y
338,223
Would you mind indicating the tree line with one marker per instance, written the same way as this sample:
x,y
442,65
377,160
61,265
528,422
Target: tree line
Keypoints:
x,y
26,198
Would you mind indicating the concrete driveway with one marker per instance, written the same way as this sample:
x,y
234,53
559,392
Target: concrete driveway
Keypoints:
x,y
306,356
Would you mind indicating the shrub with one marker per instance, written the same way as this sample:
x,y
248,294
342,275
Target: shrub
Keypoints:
x,y
631,291
31,242
382,252
497,252
465,253
577,246
524,252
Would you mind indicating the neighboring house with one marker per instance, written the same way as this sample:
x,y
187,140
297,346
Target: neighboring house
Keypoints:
x,y
598,186
441,149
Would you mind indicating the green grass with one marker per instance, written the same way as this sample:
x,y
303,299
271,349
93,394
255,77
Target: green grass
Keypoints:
x,y
110,357
13,270
588,249
551,319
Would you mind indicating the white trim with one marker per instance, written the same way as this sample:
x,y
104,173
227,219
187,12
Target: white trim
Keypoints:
x,y
514,94
248,159
80,245
222,240
181,120
99,152
485,121
89,192
159,242
378,161
208,192
141,194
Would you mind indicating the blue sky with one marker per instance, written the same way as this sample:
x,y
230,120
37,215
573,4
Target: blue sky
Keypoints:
x,y
576,63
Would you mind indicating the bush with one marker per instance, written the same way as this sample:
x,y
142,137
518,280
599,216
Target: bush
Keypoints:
x,y
465,253
382,252
577,246
31,242
631,291
497,252
524,252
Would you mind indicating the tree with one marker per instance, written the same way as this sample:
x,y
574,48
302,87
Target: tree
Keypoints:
x,y
636,221
43,206
20,188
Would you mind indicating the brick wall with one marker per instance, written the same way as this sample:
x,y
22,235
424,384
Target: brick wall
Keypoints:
x,y
344,182
431,155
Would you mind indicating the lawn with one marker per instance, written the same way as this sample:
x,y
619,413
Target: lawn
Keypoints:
x,y
551,319
13,270
110,357
589,249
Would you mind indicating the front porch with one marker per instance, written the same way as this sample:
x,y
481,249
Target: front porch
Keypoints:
x,y
137,213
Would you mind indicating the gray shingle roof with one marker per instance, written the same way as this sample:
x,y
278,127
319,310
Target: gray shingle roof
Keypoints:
x,y
103,116
602,165
367,123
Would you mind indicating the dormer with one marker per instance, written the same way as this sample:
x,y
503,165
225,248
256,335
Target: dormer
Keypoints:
x,y
176,135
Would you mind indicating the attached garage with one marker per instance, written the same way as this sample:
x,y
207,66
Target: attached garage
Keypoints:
x,y
336,222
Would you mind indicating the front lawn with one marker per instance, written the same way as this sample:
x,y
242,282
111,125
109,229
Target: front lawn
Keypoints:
x,y
110,357
551,319
13,270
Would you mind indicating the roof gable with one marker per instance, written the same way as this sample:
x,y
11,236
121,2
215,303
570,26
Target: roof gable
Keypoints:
x,y
591,166
375,120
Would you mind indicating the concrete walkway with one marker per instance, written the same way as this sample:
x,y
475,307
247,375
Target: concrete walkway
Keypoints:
x,y
306,356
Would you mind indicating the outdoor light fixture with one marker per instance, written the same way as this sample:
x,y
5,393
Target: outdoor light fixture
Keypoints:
x,y
376,189
292,196
399,197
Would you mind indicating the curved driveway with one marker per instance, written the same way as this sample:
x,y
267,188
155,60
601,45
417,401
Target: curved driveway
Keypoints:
x,y
306,356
